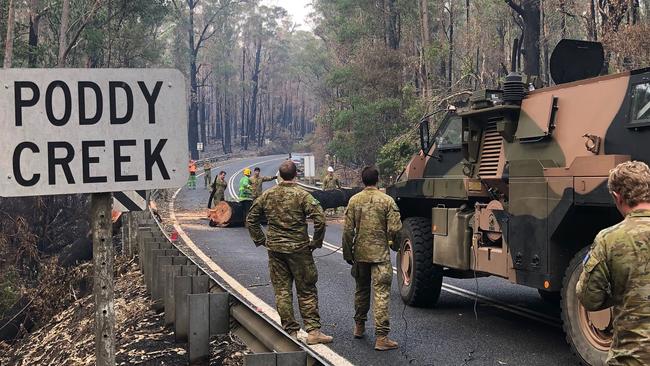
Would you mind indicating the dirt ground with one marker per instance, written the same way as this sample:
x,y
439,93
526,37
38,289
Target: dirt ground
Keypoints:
x,y
142,339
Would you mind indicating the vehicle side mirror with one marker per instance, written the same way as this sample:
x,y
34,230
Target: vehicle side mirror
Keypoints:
x,y
425,143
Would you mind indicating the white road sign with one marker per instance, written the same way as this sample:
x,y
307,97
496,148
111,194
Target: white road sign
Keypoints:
x,y
91,130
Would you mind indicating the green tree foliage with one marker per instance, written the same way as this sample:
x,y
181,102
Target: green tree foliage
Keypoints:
x,y
369,101
101,33
390,62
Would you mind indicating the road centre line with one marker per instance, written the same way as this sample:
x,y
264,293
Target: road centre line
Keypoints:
x,y
323,350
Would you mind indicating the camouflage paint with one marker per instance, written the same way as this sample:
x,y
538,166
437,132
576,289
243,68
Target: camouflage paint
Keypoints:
x,y
552,187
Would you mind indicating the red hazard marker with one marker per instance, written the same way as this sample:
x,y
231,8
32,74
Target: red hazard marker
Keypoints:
x,y
174,235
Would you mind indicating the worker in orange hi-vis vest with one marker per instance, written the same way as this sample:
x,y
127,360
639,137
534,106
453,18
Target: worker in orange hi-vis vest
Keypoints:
x,y
191,183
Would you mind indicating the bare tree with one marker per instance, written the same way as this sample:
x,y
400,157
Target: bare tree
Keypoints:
x,y
426,42
529,11
65,45
65,21
35,14
9,42
393,34
205,33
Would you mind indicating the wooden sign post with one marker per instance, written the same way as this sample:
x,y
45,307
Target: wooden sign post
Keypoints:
x,y
100,215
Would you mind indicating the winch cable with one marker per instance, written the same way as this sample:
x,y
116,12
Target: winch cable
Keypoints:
x,y
470,354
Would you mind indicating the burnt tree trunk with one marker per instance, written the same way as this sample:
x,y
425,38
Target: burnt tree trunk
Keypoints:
x,y
218,121
529,10
335,198
193,131
450,56
34,20
393,31
243,95
202,118
255,78
227,141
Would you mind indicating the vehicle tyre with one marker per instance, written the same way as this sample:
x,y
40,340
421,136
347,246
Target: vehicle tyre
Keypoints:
x,y
418,279
588,335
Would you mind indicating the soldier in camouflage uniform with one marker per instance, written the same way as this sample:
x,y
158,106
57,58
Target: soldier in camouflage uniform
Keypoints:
x,y
219,188
330,181
287,208
372,222
207,173
617,269
256,182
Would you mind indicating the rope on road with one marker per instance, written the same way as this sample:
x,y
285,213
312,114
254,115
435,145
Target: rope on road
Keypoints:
x,y
328,254
402,349
470,354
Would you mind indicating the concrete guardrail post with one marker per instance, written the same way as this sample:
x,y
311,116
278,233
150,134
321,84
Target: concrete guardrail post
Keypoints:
x,y
159,284
185,285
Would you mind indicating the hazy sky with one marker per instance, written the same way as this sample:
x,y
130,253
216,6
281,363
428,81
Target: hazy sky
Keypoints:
x,y
298,9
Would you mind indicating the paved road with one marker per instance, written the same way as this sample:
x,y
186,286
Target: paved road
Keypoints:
x,y
509,325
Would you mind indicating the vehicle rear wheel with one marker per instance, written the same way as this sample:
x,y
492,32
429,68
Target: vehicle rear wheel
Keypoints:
x,y
419,280
589,333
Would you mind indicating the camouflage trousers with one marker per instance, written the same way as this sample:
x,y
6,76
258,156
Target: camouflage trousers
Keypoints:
x,y
207,178
300,268
380,276
218,197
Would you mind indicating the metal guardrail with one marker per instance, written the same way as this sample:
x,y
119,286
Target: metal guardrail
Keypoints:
x,y
199,305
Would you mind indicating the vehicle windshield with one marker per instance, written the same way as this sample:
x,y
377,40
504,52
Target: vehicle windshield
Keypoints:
x,y
449,136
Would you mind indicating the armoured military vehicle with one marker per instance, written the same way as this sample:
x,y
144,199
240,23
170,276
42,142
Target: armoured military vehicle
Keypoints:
x,y
514,184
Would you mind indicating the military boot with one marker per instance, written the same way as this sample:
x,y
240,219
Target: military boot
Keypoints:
x,y
359,329
383,343
294,335
316,336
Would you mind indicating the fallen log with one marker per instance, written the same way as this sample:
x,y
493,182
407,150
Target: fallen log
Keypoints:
x,y
231,214
335,198
227,214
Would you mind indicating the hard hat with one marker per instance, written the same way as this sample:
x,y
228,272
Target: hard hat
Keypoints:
x,y
330,169
247,171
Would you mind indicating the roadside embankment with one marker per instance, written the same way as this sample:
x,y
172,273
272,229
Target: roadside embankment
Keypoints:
x,y
68,339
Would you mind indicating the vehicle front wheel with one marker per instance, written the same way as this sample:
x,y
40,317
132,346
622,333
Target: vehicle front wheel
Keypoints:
x,y
589,333
419,280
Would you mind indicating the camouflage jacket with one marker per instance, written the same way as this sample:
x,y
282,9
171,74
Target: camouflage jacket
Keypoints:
x,y
330,182
287,208
617,273
372,220
219,187
256,184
